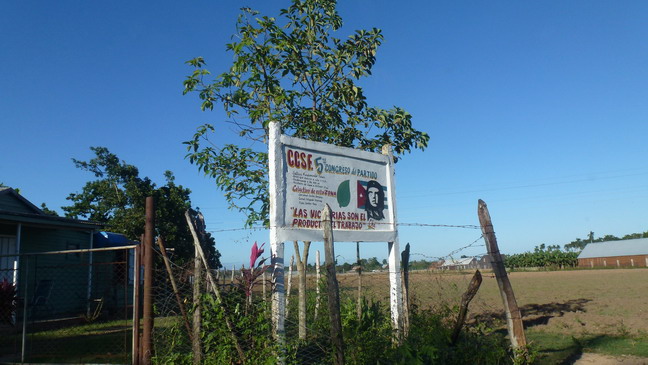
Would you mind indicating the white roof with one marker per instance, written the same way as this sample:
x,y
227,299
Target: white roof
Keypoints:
x,y
637,246
462,261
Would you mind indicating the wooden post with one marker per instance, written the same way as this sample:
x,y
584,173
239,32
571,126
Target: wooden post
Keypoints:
x,y
264,280
318,278
359,269
167,265
332,288
196,344
149,236
405,256
513,316
292,262
302,261
468,296
214,288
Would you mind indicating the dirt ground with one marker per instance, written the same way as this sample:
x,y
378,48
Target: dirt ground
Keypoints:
x,y
598,359
573,302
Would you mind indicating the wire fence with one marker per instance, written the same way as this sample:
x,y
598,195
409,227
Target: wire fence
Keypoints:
x,y
193,327
68,307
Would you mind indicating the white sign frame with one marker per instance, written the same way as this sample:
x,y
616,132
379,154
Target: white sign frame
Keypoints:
x,y
279,232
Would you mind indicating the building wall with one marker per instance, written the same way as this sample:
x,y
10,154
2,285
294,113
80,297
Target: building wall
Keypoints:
x,y
68,272
615,261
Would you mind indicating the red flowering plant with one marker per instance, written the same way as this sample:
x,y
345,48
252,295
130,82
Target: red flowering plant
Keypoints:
x,y
250,275
7,301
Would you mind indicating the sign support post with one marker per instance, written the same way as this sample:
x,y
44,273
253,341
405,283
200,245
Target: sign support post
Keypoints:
x,y
395,284
275,164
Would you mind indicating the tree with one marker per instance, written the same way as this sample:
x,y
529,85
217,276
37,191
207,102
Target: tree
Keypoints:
x,y
295,72
117,198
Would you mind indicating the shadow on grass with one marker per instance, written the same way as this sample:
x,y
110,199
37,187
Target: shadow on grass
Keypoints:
x,y
555,348
535,314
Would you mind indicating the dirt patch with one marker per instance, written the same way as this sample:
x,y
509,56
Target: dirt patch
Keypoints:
x,y
598,359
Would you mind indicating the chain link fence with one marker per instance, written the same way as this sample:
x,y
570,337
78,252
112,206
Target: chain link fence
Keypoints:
x,y
70,306
193,327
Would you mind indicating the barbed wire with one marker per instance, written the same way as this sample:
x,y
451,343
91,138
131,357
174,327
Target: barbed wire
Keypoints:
x,y
452,253
260,228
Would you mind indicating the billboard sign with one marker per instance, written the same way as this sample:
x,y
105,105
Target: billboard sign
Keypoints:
x,y
357,185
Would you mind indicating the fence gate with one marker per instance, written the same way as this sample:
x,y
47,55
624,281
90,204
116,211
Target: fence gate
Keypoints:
x,y
71,306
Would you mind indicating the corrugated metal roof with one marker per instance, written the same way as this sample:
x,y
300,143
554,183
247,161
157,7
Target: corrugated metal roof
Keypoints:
x,y
637,246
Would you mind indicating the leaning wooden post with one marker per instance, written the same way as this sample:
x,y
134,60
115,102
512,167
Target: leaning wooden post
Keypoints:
x,y
215,289
466,298
196,344
332,287
147,330
513,316
167,265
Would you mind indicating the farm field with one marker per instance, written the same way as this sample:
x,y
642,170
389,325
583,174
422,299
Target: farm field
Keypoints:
x,y
565,312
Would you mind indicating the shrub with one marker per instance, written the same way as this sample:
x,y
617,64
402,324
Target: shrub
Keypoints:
x,y
7,302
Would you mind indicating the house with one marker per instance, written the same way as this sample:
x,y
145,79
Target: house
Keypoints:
x,y
55,280
460,264
624,253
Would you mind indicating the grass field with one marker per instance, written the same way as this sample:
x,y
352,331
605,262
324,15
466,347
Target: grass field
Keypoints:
x,y
564,312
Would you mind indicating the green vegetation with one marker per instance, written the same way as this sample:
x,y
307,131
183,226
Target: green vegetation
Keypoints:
x,y
118,199
368,339
545,257
291,70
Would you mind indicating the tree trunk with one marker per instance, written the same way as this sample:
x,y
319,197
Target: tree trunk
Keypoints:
x,y
302,261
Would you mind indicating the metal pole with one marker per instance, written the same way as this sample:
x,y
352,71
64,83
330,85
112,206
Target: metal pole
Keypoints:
x,y
24,326
136,305
148,282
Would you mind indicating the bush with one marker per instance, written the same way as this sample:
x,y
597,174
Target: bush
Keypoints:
x,y
7,302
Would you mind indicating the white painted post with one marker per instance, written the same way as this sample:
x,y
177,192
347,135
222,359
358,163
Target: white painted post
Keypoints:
x,y
632,262
618,265
604,263
275,159
646,261
395,283
592,264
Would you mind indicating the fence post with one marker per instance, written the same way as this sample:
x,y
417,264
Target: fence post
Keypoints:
x,y
23,340
405,256
214,287
149,232
318,277
137,265
466,298
359,268
196,343
332,287
513,316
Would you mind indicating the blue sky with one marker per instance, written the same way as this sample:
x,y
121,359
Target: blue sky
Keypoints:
x,y
539,108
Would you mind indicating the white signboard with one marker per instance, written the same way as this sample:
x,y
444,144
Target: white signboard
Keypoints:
x,y
357,185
